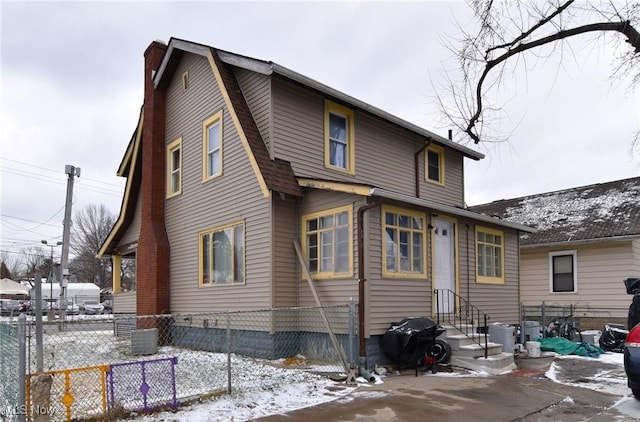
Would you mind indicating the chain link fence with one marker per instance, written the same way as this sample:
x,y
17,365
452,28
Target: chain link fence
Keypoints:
x,y
118,364
9,370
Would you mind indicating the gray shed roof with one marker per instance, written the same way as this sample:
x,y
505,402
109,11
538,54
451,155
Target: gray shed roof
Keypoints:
x,y
604,211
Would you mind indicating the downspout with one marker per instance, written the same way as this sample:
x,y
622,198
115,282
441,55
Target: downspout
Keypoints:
x,y
361,280
468,266
417,167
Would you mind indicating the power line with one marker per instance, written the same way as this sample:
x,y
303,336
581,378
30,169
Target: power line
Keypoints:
x,y
61,181
54,171
46,223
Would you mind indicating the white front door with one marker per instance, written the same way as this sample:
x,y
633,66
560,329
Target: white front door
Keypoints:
x,y
444,263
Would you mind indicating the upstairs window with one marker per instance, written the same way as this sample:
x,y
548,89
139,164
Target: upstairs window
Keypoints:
x,y
404,242
490,255
434,164
339,138
212,147
222,255
174,168
327,242
563,272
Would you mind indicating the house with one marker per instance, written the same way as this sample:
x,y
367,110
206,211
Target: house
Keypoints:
x,y
235,159
586,244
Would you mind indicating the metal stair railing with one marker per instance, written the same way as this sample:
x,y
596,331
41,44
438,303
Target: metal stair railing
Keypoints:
x,y
458,312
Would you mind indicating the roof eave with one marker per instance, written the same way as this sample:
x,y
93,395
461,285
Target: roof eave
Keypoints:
x,y
448,209
312,83
581,242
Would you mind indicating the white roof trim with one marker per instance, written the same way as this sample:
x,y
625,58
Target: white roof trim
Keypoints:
x,y
176,44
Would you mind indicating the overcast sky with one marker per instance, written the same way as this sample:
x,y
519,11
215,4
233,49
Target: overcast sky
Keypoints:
x,y
72,79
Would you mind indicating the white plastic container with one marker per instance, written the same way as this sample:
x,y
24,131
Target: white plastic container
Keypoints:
x,y
533,349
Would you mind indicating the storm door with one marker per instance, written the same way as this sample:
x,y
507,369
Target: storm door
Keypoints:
x,y
444,264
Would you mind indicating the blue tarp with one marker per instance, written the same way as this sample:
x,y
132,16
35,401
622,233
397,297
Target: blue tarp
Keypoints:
x,y
563,346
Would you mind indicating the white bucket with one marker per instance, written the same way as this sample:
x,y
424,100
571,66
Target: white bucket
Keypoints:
x,y
533,349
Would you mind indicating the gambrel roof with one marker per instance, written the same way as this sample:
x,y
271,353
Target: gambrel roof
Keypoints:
x,y
603,211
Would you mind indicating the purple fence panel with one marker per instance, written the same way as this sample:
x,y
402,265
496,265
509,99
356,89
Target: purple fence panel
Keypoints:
x,y
142,385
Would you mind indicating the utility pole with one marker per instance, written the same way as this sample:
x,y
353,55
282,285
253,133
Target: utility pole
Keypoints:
x,y
71,171
51,277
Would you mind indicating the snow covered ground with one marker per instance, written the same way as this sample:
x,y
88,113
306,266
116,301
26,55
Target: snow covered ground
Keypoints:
x,y
611,379
281,389
304,393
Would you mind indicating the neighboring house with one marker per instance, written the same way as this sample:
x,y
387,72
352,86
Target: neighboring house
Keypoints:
x,y
234,159
587,242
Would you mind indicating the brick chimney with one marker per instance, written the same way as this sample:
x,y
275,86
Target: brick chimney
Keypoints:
x,y
153,244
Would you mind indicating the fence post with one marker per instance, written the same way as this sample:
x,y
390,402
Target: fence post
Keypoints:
x,y
38,316
352,326
542,312
22,366
228,352
523,323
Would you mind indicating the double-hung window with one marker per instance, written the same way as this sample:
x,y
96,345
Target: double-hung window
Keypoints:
x,y
339,138
221,252
174,168
490,255
212,147
563,272
327,238
404,242
434,164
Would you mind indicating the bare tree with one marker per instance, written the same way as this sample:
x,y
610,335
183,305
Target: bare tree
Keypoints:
x,y
509,32
9,266
128,274
34,258
91,227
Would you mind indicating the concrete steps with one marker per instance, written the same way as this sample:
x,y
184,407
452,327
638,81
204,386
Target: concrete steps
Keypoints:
x,y
492,364
467,353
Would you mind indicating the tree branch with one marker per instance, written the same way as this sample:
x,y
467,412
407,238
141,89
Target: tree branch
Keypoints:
x,y
530,31
624,27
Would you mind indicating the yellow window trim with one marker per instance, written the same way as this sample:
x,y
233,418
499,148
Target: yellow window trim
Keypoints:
x,y
383,225
332,211
216,118
185,80
440,151
335,186
129,161
176,144
200,252
331,107
236,122
486,279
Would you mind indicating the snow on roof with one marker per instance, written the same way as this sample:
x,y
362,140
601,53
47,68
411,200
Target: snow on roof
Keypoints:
x,y
604,210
